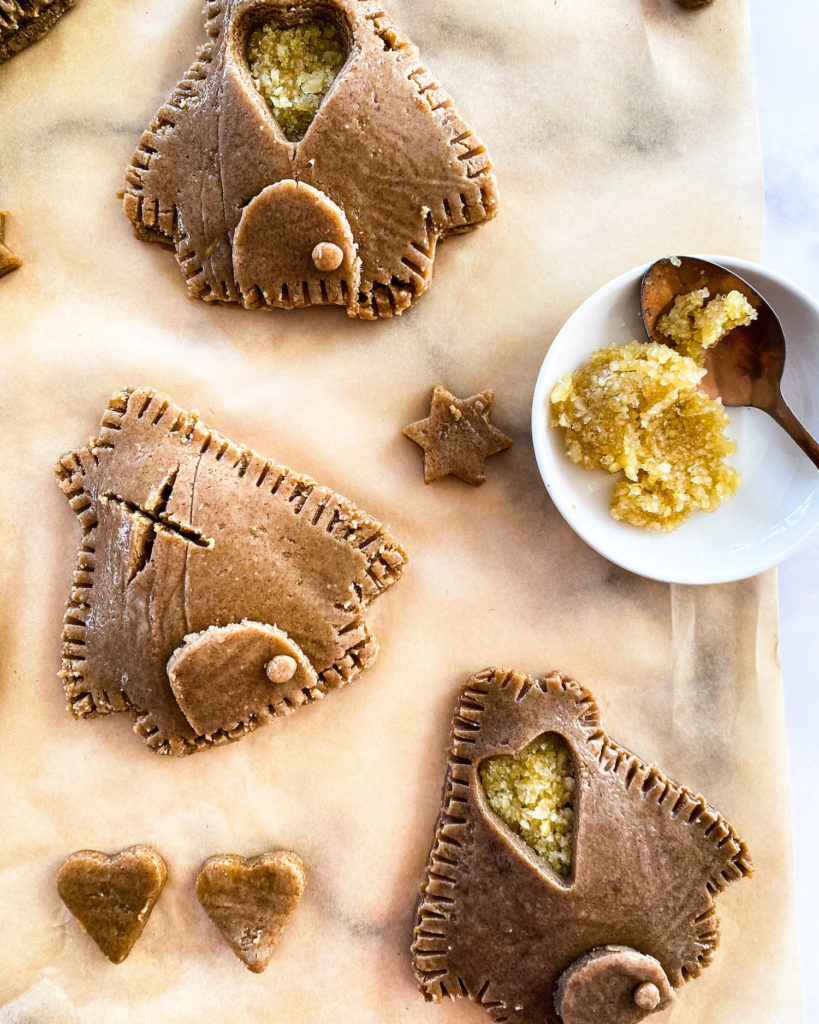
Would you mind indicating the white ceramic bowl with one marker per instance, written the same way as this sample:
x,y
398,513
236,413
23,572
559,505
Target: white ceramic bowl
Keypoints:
x,y
776,508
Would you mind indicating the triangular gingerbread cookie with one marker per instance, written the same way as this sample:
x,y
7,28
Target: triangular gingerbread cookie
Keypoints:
x,y
608,939
214,589
250,901
112,896
385,169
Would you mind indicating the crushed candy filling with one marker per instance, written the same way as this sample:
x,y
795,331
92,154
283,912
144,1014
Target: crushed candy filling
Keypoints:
x,y
293,68
637,409
694,324
533,793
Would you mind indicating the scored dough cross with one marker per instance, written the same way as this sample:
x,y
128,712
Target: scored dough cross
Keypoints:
x,y
153,519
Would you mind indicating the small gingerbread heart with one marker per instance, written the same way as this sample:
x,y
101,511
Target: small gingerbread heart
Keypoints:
x,y
250,900
112,896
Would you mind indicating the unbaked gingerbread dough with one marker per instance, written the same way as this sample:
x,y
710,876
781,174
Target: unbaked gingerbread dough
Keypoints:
x,y
250,900
634,917
112,895
214,589
23,22
386,168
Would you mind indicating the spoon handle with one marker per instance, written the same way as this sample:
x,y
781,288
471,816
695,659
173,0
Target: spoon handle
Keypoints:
x,y
786,419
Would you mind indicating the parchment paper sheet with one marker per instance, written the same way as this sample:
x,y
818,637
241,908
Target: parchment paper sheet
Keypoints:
x,y
621,131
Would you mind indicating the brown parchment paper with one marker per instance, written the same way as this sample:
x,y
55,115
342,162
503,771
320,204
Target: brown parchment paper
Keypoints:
x,y
621,131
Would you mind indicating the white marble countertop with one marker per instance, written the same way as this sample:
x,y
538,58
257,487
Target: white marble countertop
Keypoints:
x,y
785,54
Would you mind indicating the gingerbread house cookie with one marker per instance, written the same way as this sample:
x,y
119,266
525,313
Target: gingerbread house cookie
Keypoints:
x,y
348,213
214,589
569,881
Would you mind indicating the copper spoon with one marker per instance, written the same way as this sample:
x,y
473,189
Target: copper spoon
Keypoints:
x,y
745,368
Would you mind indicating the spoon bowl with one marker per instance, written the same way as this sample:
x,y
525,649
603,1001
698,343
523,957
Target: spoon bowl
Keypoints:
x,y
745,368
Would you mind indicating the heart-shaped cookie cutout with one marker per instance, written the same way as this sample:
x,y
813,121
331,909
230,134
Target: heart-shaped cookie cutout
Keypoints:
x,y
292,67
250,900
229,674
112,896
533,793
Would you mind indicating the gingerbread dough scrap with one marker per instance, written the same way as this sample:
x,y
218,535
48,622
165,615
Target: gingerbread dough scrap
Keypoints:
x,y
457,436
112,896
23,22
633,919
214,589
250,901
394,165
8,261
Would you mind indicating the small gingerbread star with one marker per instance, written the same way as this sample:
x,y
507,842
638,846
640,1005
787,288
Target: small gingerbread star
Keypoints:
x,y
457,436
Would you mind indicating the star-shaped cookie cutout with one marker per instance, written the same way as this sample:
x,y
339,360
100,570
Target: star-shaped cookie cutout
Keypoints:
x,y
457,436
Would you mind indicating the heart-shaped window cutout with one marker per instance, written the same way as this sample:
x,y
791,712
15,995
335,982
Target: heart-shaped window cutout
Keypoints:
x,y
293,66
533,793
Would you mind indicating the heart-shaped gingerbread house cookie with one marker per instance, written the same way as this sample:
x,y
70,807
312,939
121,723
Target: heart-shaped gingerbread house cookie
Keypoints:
x,y
603,932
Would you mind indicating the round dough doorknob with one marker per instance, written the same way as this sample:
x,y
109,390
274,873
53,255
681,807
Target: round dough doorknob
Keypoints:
x,y
647,996
281,669
327,257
